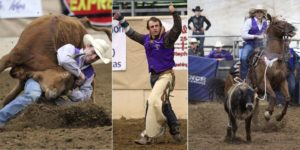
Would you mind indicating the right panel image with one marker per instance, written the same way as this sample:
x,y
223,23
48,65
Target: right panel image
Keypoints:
x,y
243,74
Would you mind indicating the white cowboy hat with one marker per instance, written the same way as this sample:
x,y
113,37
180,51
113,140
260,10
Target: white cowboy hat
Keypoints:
x,y
101,47
193,40
218,44
258,7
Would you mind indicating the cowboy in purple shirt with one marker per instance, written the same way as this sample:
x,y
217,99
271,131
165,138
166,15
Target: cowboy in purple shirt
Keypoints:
x,y
159,46
253,35
219,53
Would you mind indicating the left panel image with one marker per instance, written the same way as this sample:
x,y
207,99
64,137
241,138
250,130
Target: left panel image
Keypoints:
x,y
55,81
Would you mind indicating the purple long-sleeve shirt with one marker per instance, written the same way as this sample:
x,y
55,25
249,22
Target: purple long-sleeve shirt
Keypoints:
x,y
226,55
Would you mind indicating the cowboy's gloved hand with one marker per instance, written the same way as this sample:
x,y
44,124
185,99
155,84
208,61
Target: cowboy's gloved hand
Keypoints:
x,y
171,8
80,79
118,16
258,36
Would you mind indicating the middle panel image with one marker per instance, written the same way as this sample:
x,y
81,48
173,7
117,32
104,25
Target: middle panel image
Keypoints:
x,y
149,75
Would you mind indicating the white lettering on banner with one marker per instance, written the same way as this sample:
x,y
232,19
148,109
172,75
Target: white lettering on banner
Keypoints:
x,y
197,79
117,29
181,50
20,8
119,47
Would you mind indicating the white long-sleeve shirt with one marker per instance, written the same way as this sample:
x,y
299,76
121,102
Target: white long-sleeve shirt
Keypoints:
x,y
247,26
65,57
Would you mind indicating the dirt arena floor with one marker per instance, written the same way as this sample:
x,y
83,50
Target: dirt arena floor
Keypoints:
x,y
81,126
126,131
208,123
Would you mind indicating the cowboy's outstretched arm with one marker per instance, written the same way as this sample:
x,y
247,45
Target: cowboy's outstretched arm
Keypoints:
x,y
128,30
172,35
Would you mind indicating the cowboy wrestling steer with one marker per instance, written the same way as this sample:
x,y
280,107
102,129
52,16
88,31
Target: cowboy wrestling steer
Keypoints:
x,y
35,54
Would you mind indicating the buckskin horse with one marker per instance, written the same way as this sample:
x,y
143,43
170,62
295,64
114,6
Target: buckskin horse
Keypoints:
x,y
268,68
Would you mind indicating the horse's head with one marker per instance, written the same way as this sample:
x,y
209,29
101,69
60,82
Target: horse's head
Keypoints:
x,y
281,28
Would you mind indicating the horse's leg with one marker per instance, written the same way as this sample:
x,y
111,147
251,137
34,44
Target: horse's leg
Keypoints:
x,y
256,112
14,92
248,128
285,91
272,101
4,62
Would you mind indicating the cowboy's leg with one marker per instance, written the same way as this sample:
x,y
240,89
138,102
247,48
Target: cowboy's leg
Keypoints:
x,y
201,42
172,120
32,92
155,117
246,52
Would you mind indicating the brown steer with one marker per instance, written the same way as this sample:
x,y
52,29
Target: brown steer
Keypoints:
x,y
35,54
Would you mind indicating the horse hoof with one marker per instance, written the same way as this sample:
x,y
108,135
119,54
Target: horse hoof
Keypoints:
x,y
267,115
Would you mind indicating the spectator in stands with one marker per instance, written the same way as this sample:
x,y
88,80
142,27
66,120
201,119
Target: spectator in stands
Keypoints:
x,y
198,25
292,65
219,53
194,48
253,33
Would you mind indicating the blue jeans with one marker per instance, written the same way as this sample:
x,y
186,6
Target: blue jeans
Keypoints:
x,y
292,84
32,92
201,40
246,52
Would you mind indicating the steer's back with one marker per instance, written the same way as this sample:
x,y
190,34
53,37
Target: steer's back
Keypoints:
x,y
38,43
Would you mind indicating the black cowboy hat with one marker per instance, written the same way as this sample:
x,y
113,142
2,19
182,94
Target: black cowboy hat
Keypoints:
x,y
197,9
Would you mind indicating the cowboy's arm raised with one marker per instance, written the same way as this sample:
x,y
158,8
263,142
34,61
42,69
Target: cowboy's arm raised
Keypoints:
x,y
132,34
65,59
172,35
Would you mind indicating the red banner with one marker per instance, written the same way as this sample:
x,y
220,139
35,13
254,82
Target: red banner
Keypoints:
x,y
98,11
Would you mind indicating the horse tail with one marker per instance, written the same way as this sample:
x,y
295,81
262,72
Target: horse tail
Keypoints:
x,y
216,87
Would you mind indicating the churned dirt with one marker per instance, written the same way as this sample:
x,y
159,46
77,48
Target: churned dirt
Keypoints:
x,y
126,131
80,126
208,122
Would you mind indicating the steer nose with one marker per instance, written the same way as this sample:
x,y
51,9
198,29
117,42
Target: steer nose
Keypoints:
x,y
51,94
249,106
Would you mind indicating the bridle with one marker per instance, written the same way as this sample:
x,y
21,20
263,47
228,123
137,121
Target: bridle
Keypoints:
x,y
284,38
